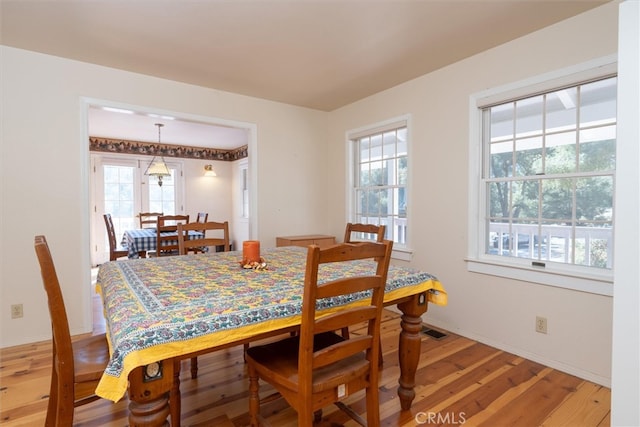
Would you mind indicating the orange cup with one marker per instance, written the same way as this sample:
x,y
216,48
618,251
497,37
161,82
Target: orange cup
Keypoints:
x,y
250,251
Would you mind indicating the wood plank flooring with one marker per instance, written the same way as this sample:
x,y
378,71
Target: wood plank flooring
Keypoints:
x,y
459,382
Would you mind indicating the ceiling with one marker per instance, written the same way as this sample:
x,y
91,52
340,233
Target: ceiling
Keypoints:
x,y
320,54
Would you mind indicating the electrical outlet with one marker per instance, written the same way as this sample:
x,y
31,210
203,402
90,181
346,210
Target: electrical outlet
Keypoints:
x,y
16,311
541,324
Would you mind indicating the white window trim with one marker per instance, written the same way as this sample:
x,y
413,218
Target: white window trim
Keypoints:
x,y
405,253
560,275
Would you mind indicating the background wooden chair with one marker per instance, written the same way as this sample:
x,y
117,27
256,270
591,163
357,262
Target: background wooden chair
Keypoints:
x,y
149,219
167,238
77,366
202,217
365,232
318,366
195,245
115,250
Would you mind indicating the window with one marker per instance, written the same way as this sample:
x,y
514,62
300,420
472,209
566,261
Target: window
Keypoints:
x,y
379,172
547,176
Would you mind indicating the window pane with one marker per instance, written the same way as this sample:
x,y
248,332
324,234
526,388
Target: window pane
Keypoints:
x,y
525,199
598,102
402,170
557,199
561,153
594,198
561,111
502,125
529,156
501,160
364,150
529,116
499,199
598,149
389,145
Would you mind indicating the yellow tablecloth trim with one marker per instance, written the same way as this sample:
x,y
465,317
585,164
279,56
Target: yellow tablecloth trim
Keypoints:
x,y
114,388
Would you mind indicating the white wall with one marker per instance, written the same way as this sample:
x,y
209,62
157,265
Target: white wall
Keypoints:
x,y
625,381
494,310
44,170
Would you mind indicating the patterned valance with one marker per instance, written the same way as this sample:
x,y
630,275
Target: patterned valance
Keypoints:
x,y
123,146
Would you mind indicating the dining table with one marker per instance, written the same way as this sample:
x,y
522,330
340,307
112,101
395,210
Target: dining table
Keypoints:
x,y
142,240
162,310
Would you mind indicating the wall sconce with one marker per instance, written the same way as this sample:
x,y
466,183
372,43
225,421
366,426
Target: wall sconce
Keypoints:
x,y
208,171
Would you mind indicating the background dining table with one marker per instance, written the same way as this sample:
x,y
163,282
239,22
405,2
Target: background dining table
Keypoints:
x,y
145,240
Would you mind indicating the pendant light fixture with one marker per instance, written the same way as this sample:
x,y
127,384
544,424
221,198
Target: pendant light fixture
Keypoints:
x,y
158,168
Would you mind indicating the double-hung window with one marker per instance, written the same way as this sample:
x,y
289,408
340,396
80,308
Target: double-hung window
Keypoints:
x,y
546,183
379,172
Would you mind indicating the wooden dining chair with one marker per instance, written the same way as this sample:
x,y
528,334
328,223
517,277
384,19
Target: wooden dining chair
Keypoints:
x,y
167,239
77,366
186,245
115,250
149,219
365,232
202,217
318,366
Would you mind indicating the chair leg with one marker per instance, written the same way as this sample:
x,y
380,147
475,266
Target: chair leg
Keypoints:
x,y
345,333
254,397
52,407
194,368
373,401
175,400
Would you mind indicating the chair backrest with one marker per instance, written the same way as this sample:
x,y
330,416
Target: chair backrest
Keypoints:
x,y
202,217
185,244
369,312
149,219
62,347
365,232
173,219
111,233
167,237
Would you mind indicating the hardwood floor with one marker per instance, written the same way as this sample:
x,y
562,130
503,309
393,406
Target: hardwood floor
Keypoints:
x,y
459,382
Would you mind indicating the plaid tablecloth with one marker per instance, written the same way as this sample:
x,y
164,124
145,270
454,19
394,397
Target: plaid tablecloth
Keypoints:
x,y
158,308
145,239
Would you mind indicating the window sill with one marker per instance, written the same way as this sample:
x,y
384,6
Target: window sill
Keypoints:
x,y
566,279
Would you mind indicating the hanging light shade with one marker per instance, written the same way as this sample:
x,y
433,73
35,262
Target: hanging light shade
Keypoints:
x,y
158,167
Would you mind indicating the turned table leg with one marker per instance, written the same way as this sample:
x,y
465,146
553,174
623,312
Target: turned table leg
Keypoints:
x,y
409,347
149,390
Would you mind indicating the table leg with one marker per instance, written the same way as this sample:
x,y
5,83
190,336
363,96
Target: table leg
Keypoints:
x,y
409,347
149,397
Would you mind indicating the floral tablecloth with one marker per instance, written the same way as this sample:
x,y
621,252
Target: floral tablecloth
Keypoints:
x,y
158,308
